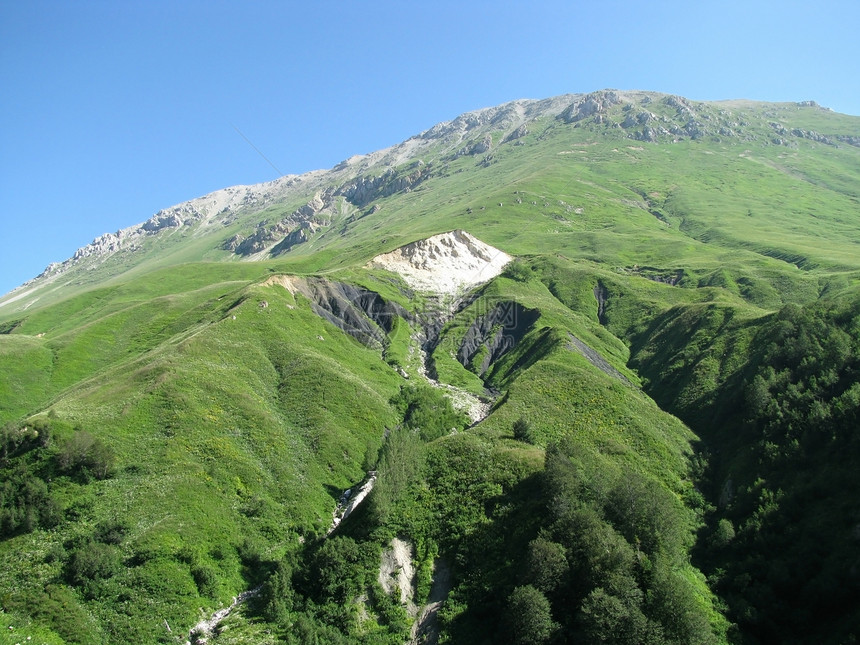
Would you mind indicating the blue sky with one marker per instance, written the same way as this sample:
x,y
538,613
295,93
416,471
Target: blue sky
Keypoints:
x,y
110,111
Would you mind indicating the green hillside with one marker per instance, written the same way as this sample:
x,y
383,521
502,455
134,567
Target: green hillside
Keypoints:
x,y
664,389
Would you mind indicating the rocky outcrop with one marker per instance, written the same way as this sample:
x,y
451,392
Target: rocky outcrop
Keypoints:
x,y
851,141
447,263
519,133
798,133
494,334
285,233
365,190
162,220
359,312
299,236
397,573
479,147
594,104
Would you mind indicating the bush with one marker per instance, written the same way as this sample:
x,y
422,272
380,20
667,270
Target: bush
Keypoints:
x,y
206,580
523,431
86,456
26,504
111,532
518,270
93,562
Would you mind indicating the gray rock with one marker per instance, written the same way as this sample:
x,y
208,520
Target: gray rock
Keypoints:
x,y
516,134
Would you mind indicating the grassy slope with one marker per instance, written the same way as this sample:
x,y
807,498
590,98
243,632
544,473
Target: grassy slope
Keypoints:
x,y
226,430
233,436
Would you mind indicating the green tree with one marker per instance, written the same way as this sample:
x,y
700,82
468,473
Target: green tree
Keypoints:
x,y
400,463
528,617
87,456
277,595
605,617
546,564
339,569
523,431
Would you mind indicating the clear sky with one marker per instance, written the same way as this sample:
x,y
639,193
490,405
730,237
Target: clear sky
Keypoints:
x,y
111,111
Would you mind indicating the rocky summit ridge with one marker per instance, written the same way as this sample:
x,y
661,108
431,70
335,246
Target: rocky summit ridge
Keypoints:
x,y
251,223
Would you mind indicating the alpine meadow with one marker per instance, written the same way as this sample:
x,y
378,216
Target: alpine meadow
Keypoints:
x,y
575,370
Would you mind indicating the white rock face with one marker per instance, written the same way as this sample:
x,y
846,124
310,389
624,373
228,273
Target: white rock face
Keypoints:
x,y
448,263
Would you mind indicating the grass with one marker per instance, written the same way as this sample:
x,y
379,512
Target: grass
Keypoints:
x,y
236,426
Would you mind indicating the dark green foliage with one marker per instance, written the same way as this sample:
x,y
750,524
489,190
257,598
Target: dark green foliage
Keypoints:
x,y
598,553
391,613
276,596
518,270
111,532
617,618
523,431
646,514
723,534
781,548
58,606
25,500
18,440
26,504
528,617
93,562
621,541
400,466
340,569
8,326
428,411
672,604
781,420
546,565
206,579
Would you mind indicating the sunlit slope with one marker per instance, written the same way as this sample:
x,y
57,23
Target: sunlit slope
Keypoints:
x,y
625,178
183,413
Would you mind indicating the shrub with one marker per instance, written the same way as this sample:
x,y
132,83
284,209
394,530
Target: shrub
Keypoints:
x,y
428,411
518,270
93,562
523,431
206,580
86,456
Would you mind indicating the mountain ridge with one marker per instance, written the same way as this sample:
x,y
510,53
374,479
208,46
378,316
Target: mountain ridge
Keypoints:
x,y
224,206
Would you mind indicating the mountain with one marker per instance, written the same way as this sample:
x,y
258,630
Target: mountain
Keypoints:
x,y
600,354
